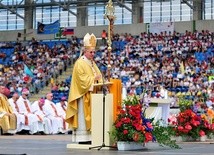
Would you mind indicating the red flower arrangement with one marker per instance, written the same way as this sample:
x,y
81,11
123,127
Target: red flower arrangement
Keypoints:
x,y
131,124
190,124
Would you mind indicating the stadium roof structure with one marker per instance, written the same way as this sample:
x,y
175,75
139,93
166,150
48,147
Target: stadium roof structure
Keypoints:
x,y
67,4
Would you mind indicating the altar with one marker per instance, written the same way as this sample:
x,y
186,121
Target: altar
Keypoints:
x,y
161,111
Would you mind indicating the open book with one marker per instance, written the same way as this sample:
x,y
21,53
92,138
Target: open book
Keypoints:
x,y
101,84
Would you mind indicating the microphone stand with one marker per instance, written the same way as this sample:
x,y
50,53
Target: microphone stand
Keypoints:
x,y
104,90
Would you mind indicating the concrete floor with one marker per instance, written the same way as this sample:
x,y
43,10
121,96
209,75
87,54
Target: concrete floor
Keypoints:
x,y
56,145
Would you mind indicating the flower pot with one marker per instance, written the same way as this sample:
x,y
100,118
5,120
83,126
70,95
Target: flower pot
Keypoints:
x,y
203,138
126,146
188,139
177,138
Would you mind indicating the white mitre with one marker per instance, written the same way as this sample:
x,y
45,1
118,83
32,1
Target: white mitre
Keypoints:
x,y
90,41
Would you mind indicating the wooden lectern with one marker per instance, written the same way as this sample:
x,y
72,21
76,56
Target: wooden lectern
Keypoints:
x,y
97,119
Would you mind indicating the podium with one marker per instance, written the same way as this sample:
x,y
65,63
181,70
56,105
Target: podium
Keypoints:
x,y
97,120
160,112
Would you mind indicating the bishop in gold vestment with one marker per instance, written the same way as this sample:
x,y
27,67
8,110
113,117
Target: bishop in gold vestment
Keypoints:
x,y
85,74
7,118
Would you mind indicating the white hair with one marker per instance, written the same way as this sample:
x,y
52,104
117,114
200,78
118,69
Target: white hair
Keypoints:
x,y
82,50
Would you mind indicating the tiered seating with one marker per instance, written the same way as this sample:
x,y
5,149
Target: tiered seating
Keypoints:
x,y
6,56
139,90
165,60
58,94
125,79
53,43
179,89
120,45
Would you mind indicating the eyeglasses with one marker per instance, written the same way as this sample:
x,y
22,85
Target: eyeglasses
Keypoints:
x,y
92,52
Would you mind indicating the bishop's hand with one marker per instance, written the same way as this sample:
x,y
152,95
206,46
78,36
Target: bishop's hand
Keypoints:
x,y
97,77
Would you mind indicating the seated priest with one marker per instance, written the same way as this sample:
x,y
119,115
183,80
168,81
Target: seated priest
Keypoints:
x,y
7,117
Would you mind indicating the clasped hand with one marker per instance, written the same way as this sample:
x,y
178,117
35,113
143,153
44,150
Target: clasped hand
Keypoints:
x,y
97,77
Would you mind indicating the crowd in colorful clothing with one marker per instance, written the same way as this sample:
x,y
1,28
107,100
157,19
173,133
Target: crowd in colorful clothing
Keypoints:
x,y
183,64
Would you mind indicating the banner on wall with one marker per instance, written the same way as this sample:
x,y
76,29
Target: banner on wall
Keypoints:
x,y
59,34
68,31
51,28
161,27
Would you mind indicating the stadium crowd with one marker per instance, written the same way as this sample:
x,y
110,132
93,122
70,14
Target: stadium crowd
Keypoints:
x,y
182,64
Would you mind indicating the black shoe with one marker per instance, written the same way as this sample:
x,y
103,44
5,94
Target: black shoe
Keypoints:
x,y
1,131
37,133
42,133
70,132
85,142
26,132
23,132
8,134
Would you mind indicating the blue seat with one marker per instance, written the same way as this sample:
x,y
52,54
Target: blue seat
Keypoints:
x,y
55,101
124,79
139,90
177,89
54,91
184,89
173,89
174,75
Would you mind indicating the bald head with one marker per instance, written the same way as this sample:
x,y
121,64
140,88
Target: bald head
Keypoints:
x,y
49,96
41,102
15,96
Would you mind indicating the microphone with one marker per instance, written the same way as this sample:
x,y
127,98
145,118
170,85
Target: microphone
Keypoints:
x,y
103,63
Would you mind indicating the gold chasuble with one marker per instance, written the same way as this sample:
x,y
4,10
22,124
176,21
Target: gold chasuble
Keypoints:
x,y
82,80
8,121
